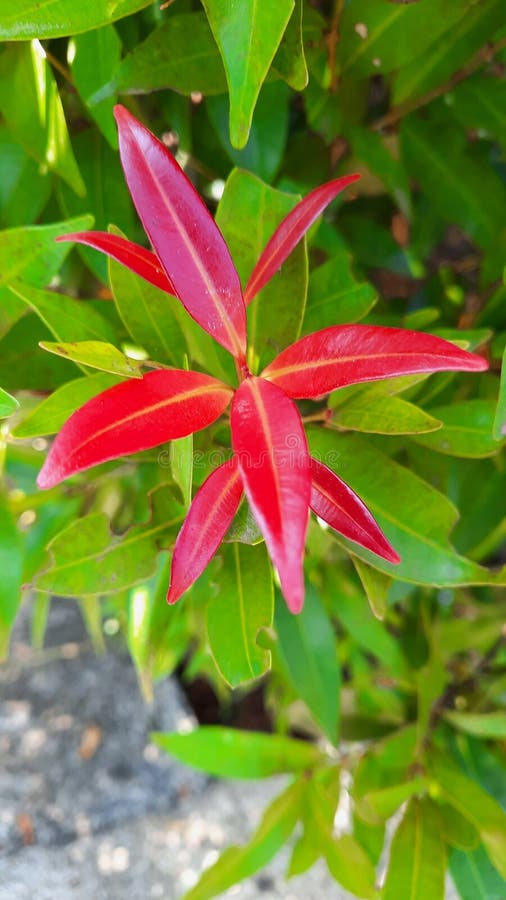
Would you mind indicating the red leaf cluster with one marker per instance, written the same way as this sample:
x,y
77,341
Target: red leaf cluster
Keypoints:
x,y
271,463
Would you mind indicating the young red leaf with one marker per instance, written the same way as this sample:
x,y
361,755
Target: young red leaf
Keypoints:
x,y
291,230
269,440
349,354
335,502
132,416
212,510
133,256
183,234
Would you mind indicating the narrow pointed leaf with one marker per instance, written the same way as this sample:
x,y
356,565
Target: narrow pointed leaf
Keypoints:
x,y
209,516
184,235
269,439
334,502
97,355
350,354
134,416
130,255
417,864
291,231
49,416
8,404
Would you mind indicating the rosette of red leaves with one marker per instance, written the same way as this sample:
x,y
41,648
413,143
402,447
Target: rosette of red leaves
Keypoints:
x,y
271,463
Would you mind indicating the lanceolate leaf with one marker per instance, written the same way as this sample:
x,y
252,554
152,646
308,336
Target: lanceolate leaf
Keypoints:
x,y
334,502
47,20
268,437
417,862
183,234
349,354
136,258
290,232
134,416
7,404
51,414
208,518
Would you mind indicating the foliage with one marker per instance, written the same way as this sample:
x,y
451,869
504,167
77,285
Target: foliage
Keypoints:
x,y
404,662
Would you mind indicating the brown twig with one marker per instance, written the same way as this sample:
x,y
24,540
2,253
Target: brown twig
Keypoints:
x,y
484,55
332,40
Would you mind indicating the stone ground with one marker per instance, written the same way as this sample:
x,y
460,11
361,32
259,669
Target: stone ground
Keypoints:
x,y
90,809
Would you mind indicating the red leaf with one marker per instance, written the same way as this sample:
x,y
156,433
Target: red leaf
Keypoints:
x,y
133,256
132,416
183,234
335,502
291,230
349,354
209,516
269,440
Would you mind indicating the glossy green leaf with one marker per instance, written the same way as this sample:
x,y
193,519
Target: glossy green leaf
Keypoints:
x,y
248,36
474,876
49,416
376,586
94,56
476,805
229,753
374,411
379,806
444,57
46,20
24,189
11,563
416,518
67,318
467,430
180,54
264,150
31,253
86,558
24,365
485,725
8,404
38,123
243,605
307,647
248,214
237,863
335,297
479,103
149,314
394,35
97,355
499,427
290,62
416,868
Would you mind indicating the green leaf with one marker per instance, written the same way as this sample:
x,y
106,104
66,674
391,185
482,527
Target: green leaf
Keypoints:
x,y
416,868
11,566
229,753
24,190
473,30
86,558
248,214
32,254
67,318
499,427
307,648
335,297
31,18
94,57
264,150
392,36
376,586
248,36
372,410
379,806
485,725
97,355
180,54
322,791
243,605
8,404
181,460
49,416
474,876
456,829
370,148
23,365
237,863
38,123
476,805
467,430
149,315
479,103
289,61
416,518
